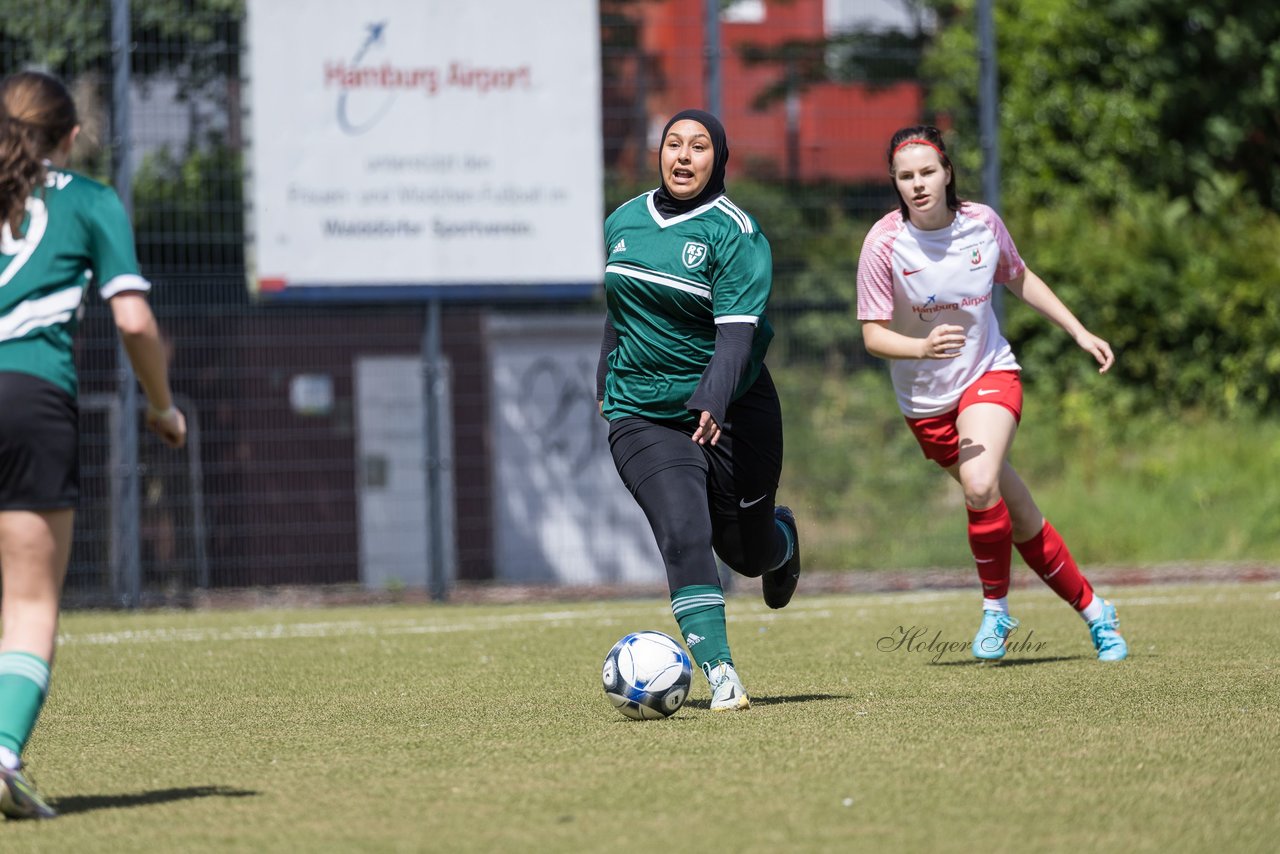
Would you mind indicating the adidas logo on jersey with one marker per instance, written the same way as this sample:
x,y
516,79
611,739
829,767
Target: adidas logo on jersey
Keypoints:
x,y
694,640
620,246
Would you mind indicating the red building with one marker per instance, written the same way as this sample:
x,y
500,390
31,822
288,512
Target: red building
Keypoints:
x,y
822,131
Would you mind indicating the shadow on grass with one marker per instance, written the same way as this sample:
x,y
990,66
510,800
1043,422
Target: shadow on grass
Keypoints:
x,y
775,701
89,803
1008,662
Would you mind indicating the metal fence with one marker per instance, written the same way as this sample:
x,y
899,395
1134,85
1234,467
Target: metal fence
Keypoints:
x,y
267,492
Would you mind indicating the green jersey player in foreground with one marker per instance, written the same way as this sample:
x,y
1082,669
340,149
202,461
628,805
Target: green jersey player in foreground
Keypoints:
x,y
60,232
695,427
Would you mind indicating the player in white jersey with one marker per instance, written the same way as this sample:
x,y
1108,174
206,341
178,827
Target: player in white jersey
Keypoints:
x,y
60,232
695,426
926,278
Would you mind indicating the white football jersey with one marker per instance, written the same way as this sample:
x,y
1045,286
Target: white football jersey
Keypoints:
x,y
917,279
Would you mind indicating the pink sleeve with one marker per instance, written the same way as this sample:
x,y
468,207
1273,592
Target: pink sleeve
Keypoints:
x,y
1010,266
875,270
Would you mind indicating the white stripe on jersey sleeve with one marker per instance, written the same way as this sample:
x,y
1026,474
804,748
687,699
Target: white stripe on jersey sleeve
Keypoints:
x,y
736,213
659,279
124,282
738,318
57,307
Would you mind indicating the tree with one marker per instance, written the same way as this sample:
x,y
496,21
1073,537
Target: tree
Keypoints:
x,y
192,43
865,56
1111,97
73,37
1139,139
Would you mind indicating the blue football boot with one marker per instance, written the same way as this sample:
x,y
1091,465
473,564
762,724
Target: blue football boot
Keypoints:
x,y
1107,639
988,643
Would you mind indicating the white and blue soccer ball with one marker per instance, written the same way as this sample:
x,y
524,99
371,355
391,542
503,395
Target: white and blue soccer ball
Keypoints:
x,y
647,676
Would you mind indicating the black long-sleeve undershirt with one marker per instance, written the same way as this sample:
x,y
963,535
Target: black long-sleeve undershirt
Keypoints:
x,y
608,344
725,370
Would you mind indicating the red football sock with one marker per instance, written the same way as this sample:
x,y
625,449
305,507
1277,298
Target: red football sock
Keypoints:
x,y
1048,555
991,540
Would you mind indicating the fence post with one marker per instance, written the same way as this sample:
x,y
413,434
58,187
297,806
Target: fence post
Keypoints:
x,y
434,401
988,119
126,566
711,49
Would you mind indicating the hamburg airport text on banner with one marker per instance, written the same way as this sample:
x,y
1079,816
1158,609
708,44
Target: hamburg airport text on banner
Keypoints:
x,y
430,147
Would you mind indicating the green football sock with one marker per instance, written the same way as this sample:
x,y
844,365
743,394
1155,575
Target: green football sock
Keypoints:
x,y
699,609
24,681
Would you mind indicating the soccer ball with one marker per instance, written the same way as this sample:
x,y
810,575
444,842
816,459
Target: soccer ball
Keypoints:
x,y
647,676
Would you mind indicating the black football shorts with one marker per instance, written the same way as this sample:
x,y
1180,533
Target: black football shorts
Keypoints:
x,y
39,444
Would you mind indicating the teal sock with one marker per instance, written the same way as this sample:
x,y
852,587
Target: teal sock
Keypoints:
x,y
699,609
790,538
24,682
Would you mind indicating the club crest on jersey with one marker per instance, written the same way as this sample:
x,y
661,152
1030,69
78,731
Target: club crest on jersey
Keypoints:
x,y
694,255
975,257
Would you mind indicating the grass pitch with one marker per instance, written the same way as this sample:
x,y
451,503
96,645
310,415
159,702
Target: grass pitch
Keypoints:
x,y
452,728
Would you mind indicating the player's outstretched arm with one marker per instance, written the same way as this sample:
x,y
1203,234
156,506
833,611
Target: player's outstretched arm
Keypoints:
x,y
141,338
1033,290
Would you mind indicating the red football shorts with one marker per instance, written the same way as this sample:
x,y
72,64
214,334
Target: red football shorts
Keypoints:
x,y
937,434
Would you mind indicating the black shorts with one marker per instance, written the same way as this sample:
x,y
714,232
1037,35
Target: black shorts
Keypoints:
x,y
39,444
742,468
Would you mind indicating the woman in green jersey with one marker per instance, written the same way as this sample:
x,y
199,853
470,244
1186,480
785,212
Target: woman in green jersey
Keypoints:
x,y
59,232
695,428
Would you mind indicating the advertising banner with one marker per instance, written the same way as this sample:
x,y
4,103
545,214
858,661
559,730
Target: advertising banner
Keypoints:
x,y
405,148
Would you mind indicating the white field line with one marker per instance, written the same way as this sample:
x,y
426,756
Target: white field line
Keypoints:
x,y
818,608
599,614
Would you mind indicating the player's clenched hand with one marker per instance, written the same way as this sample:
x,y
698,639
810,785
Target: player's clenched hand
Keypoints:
x,y
944,342
1100,349
170,426
708,430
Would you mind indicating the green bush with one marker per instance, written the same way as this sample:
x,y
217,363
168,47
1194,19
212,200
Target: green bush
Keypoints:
x,y
1147,489
189,212
1184,299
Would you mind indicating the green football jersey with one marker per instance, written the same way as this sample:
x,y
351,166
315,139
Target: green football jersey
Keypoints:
x,y
75,232
668,282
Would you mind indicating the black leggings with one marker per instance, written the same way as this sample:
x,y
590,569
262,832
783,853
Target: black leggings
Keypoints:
x,y
700,498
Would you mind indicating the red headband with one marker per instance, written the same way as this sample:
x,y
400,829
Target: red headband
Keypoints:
x,y
914,141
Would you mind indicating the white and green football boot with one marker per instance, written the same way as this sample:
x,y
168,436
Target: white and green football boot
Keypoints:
x,y
727,693
19,797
